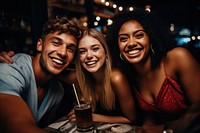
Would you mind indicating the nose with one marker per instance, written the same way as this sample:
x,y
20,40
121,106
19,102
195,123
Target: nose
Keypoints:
x,y
62,51
132,42
89,54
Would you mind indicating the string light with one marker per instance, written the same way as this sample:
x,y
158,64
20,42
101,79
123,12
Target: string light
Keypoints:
x,y
109,22
85,24
120,8
98,18
114,6
193,37
96,23
171,27
107,4
148,8
131,8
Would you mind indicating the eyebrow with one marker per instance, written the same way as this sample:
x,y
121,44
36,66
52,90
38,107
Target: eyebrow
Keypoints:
x,y
91,46
133,32
57,38
72,44
96,45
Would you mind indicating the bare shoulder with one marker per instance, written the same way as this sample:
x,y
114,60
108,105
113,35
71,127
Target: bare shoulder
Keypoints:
x,y
117,75
180,60
179,53
180,56
119,82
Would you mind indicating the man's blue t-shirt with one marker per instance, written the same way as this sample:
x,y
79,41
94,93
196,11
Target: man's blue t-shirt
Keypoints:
x,y
18,79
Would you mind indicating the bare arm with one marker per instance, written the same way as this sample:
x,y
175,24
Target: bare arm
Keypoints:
x,y
101,118
15,116
123,92
109,119
6,56
183,67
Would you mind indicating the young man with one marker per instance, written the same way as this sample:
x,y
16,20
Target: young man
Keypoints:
x,y
30,94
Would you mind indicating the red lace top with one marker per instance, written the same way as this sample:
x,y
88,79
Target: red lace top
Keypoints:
x,y
170,102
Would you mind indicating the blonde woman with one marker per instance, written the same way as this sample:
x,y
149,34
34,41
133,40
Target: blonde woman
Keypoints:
x,y
106,87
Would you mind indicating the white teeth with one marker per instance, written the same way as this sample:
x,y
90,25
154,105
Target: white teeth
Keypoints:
x,y
90,63
133,52
58,61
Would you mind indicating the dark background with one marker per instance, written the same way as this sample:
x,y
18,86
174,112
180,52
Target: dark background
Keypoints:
x,y
21,20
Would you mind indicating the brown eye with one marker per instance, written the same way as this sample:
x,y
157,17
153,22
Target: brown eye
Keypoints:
x,y
139,34
95,48
55,43
123,39
81,51
71,48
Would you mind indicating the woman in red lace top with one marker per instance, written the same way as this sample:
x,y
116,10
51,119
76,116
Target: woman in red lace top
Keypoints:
x,y
165,79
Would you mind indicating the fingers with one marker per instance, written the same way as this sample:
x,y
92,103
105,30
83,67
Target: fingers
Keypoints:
x,y
6,57
11,53
71,116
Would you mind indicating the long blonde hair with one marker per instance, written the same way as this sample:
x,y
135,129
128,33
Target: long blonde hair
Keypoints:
x,y
85,80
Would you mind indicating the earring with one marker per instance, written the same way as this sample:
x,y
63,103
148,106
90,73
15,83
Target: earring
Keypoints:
x,y
120,55
152,50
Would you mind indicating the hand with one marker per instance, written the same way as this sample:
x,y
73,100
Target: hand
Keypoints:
x,y
5,57
71,116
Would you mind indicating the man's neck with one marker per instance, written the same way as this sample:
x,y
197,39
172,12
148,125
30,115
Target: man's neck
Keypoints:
x,y
40,76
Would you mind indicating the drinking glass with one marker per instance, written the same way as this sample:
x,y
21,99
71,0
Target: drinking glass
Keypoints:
x,y
83,113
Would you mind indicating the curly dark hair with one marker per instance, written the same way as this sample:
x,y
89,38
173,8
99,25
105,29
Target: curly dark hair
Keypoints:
x,y
158,32
62,25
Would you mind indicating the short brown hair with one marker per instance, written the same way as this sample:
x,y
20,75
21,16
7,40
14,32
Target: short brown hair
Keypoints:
x,y
62,25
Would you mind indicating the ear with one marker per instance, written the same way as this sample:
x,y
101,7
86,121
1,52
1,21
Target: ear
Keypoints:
x,y
39,45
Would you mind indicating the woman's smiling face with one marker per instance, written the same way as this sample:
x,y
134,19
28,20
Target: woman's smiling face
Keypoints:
x,y
133,42
91,54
